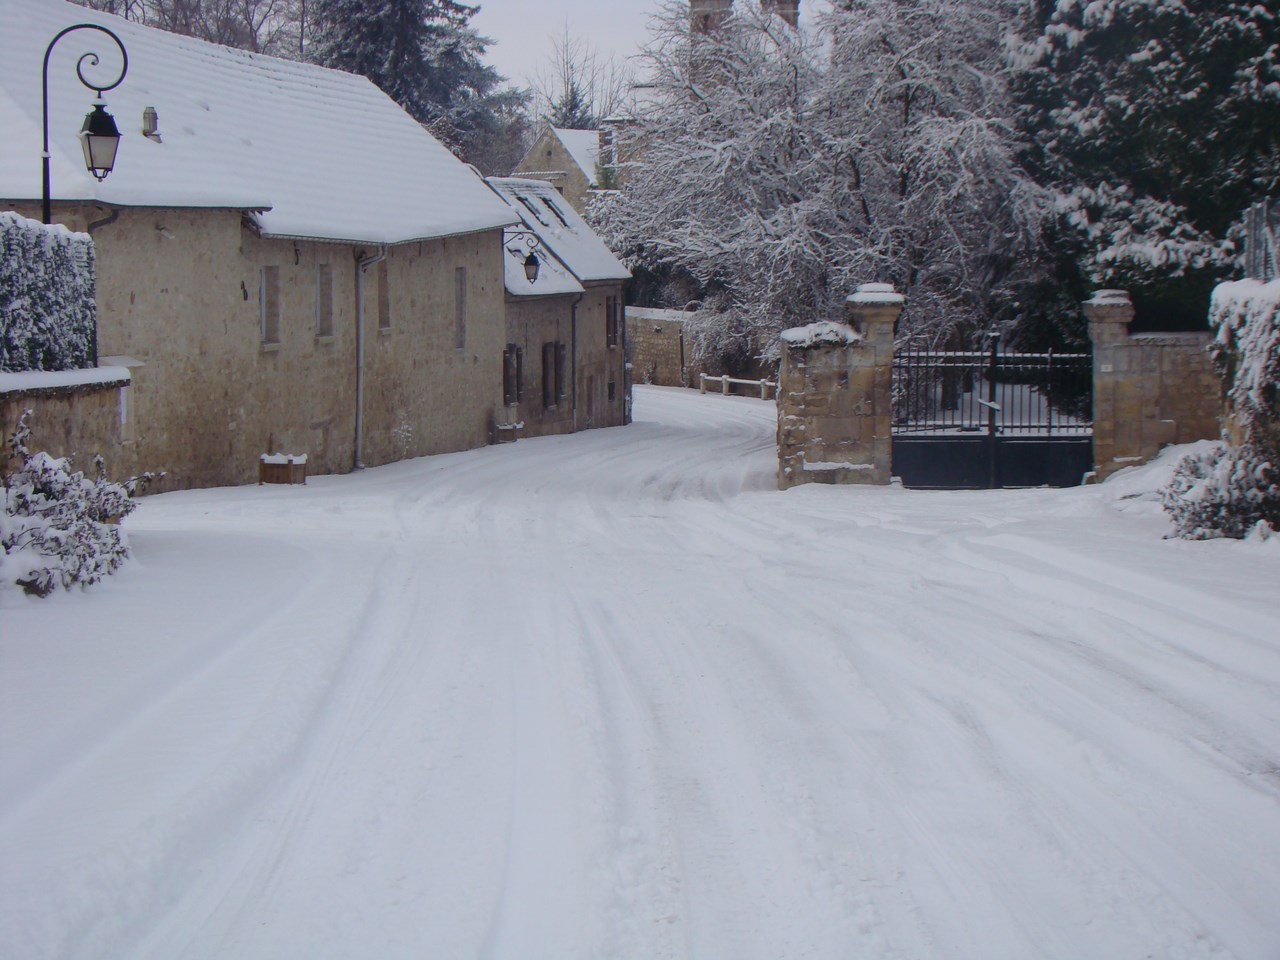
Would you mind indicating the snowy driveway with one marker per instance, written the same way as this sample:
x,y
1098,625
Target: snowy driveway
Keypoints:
x,y
614,696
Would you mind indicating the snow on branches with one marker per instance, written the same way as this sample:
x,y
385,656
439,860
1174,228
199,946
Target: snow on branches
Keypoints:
x,y
47,310
779,168
1157,122
58,527
1235,488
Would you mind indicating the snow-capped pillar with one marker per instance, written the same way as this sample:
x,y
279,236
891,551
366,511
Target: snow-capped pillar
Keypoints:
x,y
1149,389
835,397
1109,313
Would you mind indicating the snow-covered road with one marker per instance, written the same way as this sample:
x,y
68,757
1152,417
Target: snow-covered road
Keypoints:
x,y
614,696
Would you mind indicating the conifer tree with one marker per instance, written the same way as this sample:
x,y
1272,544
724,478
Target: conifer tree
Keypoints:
x,y
1156,122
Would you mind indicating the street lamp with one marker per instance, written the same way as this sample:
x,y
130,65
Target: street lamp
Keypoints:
x,y
99,136
532,265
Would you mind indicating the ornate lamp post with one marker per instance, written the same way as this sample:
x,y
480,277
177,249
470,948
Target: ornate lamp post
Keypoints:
x,y
99,136
532,265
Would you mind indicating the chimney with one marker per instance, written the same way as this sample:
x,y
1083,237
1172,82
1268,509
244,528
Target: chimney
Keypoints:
x,y
707,15
788,10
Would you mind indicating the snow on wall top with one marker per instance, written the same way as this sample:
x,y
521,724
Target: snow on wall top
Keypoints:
x,y
824,331
659,313
560,228
316,153
875,293
584,147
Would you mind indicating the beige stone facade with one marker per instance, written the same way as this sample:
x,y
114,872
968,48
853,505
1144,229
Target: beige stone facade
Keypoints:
x,y
835,396
1149,390
593,389
550,160
180,303
656,347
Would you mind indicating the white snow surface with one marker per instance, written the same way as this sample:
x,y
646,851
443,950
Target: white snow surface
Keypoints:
x,y
824,331
52,379
614,695
559,228
315,153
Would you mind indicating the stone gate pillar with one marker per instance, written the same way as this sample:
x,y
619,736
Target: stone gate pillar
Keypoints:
x,y
835,394
1149,390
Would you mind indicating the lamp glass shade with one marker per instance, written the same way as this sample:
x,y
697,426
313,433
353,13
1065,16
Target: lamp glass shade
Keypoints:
x,y
531,267
99,137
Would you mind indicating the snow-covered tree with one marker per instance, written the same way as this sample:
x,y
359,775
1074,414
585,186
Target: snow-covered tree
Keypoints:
x,y
780,169
1156,122
579,87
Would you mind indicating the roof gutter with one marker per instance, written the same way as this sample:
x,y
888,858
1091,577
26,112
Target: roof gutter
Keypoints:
x,y
363,263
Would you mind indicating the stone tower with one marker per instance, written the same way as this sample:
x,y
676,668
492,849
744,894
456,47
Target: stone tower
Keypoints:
x,y
788,10
707,15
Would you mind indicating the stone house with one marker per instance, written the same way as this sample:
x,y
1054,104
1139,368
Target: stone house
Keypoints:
x,y
569,160
286,261
564,361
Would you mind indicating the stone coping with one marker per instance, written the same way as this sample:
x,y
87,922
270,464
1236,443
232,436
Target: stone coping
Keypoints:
x,y
62,382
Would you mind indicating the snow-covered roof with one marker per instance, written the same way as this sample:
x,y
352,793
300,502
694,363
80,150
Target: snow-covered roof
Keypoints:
x,y
584,147
316,153
559,228
553,276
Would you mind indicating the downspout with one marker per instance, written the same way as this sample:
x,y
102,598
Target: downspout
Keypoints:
x,y
362,264
89,227
573,356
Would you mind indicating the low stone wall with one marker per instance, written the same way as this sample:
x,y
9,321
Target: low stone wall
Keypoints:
x,y
655,346
835,395
76,413
1149,390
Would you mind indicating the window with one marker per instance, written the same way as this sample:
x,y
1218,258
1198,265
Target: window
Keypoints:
x,y
613,391
460,308
612,321
512,375
269,304
553,379
384,297
324,300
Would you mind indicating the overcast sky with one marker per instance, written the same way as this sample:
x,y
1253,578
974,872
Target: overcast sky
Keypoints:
x,y
523,29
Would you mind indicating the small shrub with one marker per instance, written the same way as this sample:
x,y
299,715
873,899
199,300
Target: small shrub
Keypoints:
x,y
1226,492
58,527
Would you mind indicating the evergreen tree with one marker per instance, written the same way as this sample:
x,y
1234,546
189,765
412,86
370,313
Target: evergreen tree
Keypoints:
x,y
424,55
1156,122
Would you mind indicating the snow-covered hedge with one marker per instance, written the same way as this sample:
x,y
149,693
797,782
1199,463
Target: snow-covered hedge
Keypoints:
x,y
58,527
1229,491
47,310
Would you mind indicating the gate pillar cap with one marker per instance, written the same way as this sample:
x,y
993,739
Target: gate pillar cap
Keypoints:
x,y
875,293
1110,298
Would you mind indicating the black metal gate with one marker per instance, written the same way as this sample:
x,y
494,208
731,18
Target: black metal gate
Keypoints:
x,y
983,418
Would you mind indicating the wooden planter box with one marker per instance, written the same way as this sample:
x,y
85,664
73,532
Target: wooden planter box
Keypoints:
x,y
282,469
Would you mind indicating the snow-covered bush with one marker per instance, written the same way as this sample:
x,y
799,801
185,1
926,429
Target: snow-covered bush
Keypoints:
x,y
1224,493
1228,492
59,527
47,310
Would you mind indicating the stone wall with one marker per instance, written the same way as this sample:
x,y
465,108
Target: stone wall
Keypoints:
x,y
77,420
1149,390
597,390
656,348
835,395
178,304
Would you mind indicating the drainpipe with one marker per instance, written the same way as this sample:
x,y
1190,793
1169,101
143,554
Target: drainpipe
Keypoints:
x,y
573,357
89,227
362,264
